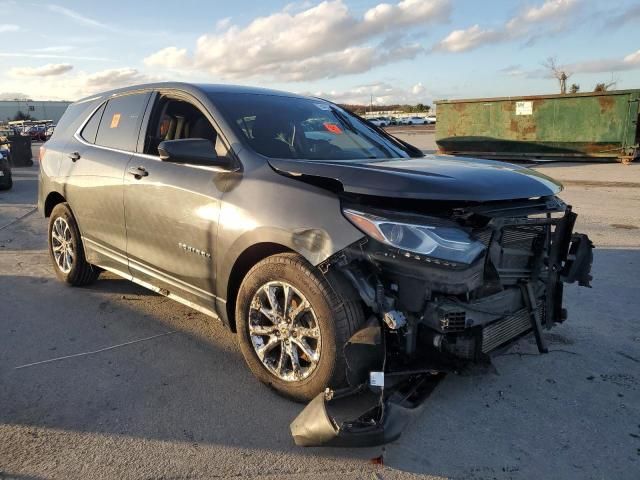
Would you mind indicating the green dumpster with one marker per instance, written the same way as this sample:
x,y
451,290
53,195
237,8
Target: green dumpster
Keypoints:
x,y
598,125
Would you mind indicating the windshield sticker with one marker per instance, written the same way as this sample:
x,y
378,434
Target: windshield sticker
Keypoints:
x,y
323,106
332,127
115,120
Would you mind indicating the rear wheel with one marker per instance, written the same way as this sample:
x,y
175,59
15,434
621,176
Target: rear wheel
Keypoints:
x,y
65,249
292,325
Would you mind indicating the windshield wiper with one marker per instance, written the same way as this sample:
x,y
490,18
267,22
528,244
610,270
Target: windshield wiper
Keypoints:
x,y
345,120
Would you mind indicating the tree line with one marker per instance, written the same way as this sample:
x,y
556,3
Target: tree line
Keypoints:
x,y
362,109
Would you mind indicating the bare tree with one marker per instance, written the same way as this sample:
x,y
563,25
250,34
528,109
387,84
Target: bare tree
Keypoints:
x,y
558,72
605,87
574,88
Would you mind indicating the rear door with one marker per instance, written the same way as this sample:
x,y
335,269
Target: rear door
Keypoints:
x,y
94,164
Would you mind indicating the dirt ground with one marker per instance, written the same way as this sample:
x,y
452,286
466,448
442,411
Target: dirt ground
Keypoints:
x,y
166,393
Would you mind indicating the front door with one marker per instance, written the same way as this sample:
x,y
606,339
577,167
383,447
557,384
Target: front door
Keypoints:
x,y
171,210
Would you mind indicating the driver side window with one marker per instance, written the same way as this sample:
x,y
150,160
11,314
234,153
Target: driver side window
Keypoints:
x,y
175,119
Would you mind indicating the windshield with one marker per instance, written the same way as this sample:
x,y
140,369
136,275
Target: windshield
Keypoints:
x,y
302,128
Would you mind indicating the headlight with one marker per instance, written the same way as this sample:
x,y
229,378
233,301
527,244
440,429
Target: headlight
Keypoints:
x,y
438,240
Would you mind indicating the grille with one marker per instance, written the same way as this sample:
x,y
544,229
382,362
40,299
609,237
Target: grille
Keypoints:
x,y
453,321
497,333
516,251
483,235
521,236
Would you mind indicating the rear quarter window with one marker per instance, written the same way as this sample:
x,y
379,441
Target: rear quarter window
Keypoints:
x,y
73,116
90,130
120,123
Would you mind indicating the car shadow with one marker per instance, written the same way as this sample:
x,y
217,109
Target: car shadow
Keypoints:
x,y
189,383
537,413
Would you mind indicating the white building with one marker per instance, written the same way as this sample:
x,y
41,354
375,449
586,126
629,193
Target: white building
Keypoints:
x,y
36,109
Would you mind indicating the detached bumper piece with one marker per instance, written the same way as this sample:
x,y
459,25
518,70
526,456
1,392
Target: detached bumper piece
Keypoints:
x,y
376,409
382,417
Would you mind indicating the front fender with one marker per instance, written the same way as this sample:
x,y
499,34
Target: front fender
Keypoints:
x,y
267,208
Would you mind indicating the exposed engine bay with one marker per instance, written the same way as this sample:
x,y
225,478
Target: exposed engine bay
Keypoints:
x,y
444,285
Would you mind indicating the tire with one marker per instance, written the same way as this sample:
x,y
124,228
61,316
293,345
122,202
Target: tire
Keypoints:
x,y
79,271
335,313
7,181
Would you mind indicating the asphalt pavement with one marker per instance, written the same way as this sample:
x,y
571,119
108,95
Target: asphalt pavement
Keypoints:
x,y
114,381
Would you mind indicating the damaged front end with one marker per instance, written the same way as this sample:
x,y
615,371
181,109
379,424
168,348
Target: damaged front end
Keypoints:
x,y
442,289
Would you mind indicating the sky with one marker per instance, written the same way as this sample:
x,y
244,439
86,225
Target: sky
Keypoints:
x,y
350,51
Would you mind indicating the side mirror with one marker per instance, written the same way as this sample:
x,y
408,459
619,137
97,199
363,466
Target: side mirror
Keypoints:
x,y
193,151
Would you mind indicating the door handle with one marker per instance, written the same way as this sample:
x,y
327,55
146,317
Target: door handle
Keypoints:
x,y
138,172
74,156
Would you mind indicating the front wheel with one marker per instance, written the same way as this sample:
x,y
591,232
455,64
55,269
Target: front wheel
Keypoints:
x,y
65,249
293,323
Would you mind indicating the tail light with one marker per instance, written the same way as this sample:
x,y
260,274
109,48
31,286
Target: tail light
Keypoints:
x,y
41,153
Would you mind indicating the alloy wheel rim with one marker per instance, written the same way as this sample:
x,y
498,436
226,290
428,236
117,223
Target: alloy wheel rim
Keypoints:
x,y
62,245
284,331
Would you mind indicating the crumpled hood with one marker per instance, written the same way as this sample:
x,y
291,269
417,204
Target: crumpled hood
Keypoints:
x,y
432,177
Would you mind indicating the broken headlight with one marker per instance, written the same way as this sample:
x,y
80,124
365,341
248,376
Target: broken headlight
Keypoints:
x,y
436,239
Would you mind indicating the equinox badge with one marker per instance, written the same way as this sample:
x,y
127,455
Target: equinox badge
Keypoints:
x,y
190,249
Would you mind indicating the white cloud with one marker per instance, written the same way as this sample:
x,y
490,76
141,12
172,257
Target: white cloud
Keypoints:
x,y
8,27
534,21
549,10
513,71
629,62
23,55
472,37
602,65
77,17
223,24
76,85
383,93
632,58
53,49
48,70
113,78
170,57
325,40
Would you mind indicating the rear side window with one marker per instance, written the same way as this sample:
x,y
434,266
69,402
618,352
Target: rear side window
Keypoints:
x,y
90,130
72,117
120,121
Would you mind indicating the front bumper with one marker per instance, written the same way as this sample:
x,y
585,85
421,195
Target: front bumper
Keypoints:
x,y
531,291
452,316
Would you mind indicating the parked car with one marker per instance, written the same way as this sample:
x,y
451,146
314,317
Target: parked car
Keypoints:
x,y
414,121
6,181
37,132
379,121
430,119
228,200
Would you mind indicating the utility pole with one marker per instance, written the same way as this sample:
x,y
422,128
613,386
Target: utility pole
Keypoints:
x,y
371,104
